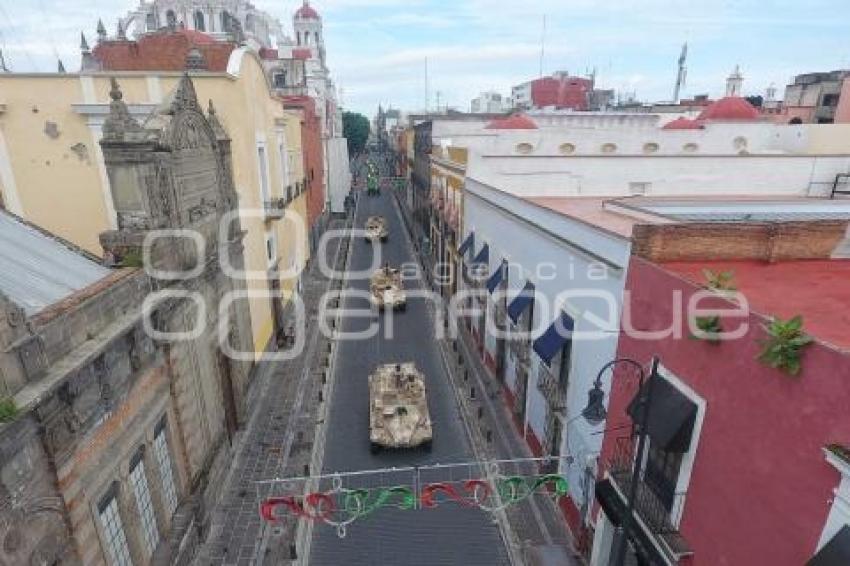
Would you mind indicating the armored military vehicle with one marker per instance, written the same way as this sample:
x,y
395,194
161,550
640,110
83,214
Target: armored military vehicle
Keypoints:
x,y
376,229
398,408
387,289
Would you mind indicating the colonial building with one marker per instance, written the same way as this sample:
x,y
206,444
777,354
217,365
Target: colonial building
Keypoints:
x,y
294,62
123,402
725,428
51,126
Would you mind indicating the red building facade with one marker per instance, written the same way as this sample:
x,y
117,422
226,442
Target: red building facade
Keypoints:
x,y
748,482
561,92
313,155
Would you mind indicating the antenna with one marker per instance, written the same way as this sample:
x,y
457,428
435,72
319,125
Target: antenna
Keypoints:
x,y
438,102
426,86
542,45
681,74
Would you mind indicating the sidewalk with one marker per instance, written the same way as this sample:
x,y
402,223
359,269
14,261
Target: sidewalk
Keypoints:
x,y
277,440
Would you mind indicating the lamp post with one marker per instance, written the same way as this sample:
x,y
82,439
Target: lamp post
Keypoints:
x,y
595,413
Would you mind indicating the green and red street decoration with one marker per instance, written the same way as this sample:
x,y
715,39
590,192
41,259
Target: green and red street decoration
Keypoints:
x,y
339,507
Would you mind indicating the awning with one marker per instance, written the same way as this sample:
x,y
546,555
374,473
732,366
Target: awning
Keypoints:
x,y
671,416
614,506
496,277
836,552
522,301
467,244
483,256
550,342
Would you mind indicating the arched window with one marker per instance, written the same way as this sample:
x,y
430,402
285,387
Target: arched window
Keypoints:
x,y
306,38
150,21
317,38
200,25
171,19
225,21
298,37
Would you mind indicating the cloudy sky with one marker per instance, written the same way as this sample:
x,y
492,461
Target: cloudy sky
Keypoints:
x,y
377,48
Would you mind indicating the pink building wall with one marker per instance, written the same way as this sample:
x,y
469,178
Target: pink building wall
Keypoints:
x,y
842,112
760,488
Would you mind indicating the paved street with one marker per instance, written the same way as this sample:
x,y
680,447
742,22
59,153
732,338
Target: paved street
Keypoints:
x,y
448,534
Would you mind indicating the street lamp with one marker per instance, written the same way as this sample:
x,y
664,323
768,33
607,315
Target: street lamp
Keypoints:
x,y
595,413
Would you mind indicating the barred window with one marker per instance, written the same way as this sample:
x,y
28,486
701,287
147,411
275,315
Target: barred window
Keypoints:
x,y
163,458
144,504
113,530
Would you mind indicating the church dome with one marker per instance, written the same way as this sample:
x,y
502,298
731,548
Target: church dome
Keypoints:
x,y
730,108
512,122
306,12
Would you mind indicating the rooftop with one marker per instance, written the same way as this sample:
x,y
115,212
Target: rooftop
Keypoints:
x,y
40,269
816,289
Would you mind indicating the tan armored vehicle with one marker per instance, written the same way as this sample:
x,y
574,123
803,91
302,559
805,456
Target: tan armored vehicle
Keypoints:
x,y
398,408
387,289
376,229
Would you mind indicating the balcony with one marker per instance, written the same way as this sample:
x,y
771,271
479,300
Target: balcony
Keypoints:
x,y
552,390
658,506
275,208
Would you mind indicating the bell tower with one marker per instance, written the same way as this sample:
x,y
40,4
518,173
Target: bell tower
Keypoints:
x,y
307,25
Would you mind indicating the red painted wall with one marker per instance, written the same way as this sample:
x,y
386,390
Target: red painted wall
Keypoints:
x,y
760,489
569,92
313,154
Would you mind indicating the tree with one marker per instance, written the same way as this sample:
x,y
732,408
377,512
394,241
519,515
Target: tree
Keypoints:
x,y
355,127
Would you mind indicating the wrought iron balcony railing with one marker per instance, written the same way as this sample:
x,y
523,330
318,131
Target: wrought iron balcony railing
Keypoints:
x,y
275,208
657,504
552,390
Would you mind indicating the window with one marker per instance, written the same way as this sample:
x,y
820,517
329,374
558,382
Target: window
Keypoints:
x,y
200,25
609,147
567,148
524,148
650,147
150,21
249,22
279,79
142,494
163,460
284,165
271,247
171,18
264,175
113,531
690,148
662,474
298,37
225,21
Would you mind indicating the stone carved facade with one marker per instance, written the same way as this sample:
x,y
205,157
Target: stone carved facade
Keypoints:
x,y
101,402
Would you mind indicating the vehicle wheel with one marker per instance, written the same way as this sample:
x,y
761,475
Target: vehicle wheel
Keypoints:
x,y
374,448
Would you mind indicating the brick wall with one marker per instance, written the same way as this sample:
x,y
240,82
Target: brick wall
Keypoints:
x,y
773,241
162,51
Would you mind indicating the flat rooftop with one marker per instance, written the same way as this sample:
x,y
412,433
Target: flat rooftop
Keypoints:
x,y
620,215
819,290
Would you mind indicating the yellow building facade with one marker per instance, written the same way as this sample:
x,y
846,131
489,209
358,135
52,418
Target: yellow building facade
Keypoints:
x,y
52,171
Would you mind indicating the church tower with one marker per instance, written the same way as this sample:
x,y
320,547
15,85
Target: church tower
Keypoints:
x,y
307,25
734,82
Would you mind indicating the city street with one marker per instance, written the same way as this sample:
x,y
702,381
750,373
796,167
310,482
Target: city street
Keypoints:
x,y
448,534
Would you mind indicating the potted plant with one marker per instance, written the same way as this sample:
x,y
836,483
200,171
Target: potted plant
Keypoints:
x,y
784,344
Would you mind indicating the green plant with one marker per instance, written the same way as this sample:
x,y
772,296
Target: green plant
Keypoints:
x,y
720,281
8,409
133,258
784,344
709,328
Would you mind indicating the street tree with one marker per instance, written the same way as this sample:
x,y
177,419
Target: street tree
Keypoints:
x,y
355,127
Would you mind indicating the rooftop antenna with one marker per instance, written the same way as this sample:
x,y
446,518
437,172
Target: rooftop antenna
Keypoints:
x,y
682,74
438,102
542,45
427,101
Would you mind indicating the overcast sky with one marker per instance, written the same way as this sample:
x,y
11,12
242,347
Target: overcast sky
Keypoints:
x,y
377,48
